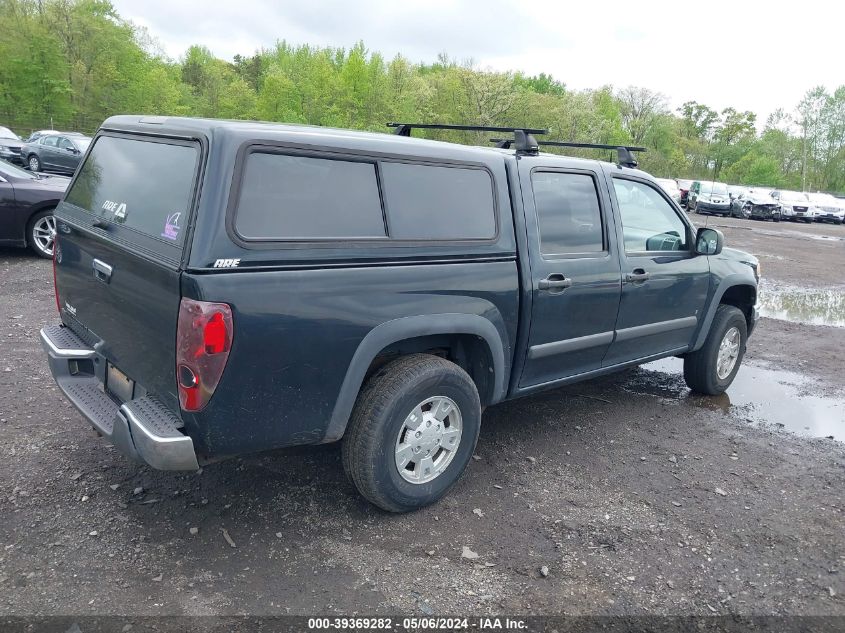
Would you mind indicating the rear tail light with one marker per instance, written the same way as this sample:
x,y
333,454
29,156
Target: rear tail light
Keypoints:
x,y
56,255
203,340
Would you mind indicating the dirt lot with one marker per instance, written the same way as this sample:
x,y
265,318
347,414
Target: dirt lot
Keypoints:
x,y
637,497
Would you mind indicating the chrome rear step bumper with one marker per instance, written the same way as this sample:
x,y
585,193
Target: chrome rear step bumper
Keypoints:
x,y
143,429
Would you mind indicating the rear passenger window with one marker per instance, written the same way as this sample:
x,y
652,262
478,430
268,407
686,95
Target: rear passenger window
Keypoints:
x,y
568,213
299,197
428,202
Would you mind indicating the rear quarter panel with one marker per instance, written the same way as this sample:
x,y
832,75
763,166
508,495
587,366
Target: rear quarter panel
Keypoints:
x,y
296,332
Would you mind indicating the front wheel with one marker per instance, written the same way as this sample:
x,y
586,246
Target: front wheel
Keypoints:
x,y
412,433
712,369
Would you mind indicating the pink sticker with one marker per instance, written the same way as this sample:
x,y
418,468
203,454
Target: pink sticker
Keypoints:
x,y
171,226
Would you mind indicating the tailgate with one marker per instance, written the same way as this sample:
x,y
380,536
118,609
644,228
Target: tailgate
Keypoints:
x,y
121,235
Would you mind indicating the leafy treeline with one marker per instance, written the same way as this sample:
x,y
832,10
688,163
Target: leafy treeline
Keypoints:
x,y
73,63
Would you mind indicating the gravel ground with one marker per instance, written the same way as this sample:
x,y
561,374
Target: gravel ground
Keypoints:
x,y
618,496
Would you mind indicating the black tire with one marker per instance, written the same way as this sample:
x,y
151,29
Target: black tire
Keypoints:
x,y
31,240
33,162
379,415
700,367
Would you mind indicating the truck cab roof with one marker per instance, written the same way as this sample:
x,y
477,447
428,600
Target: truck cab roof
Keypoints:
x,y
317,136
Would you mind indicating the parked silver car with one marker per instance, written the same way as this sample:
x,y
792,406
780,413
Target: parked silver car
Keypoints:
x,y
671,188
707,196
794,205
827,208
757,203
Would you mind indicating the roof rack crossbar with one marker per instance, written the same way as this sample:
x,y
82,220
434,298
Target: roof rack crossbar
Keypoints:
x,y
630,148
404,129
523,136
625,158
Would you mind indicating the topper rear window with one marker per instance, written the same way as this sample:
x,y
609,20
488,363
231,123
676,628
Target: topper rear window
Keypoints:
x,y
141,185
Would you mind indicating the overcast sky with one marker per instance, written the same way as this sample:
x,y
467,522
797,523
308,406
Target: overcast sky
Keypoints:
x,y
750,55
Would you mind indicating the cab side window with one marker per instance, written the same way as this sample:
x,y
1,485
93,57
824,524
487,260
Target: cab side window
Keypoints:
x,y
49,141
568,213
649,223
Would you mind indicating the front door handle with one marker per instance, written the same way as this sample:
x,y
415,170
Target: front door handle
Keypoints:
x,y
102,271
556,282
638,275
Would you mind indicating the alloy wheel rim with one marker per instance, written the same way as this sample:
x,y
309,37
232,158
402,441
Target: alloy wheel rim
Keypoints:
x,y
428,440
44,234
33,164
728,353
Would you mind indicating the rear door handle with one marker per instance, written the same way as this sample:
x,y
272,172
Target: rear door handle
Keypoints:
x,y
102,271
555,282
638,275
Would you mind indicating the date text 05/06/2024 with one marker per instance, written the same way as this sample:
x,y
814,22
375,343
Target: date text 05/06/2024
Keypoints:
x,y
416,624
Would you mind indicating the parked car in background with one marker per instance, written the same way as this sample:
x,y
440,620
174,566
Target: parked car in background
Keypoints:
x,y
27,201
757,204
10,146
56,152
671,187
735,191
827,208
737,195
794,205
683,187
38,134
707,196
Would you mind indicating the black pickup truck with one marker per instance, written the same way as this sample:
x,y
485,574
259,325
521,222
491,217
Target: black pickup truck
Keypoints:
x,y
232,287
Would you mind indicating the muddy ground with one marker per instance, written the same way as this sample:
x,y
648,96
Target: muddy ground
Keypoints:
x,y
637,497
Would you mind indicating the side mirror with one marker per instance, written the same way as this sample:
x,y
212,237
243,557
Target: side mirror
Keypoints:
x,y
709,242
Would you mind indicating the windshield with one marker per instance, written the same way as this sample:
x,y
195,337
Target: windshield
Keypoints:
x,y
714,188
822,198
7,169
7,133
793,196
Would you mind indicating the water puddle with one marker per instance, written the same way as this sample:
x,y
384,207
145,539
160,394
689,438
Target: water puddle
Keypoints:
x,y
818,306
759,395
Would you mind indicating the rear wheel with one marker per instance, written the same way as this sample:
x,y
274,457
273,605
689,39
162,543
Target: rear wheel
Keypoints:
x,y
34,163
412,433
41,233
712,369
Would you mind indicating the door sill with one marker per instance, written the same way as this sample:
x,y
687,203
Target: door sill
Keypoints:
x,y
595,373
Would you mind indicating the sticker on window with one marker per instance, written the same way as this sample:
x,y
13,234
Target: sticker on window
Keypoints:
x,y
117,208
171,226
